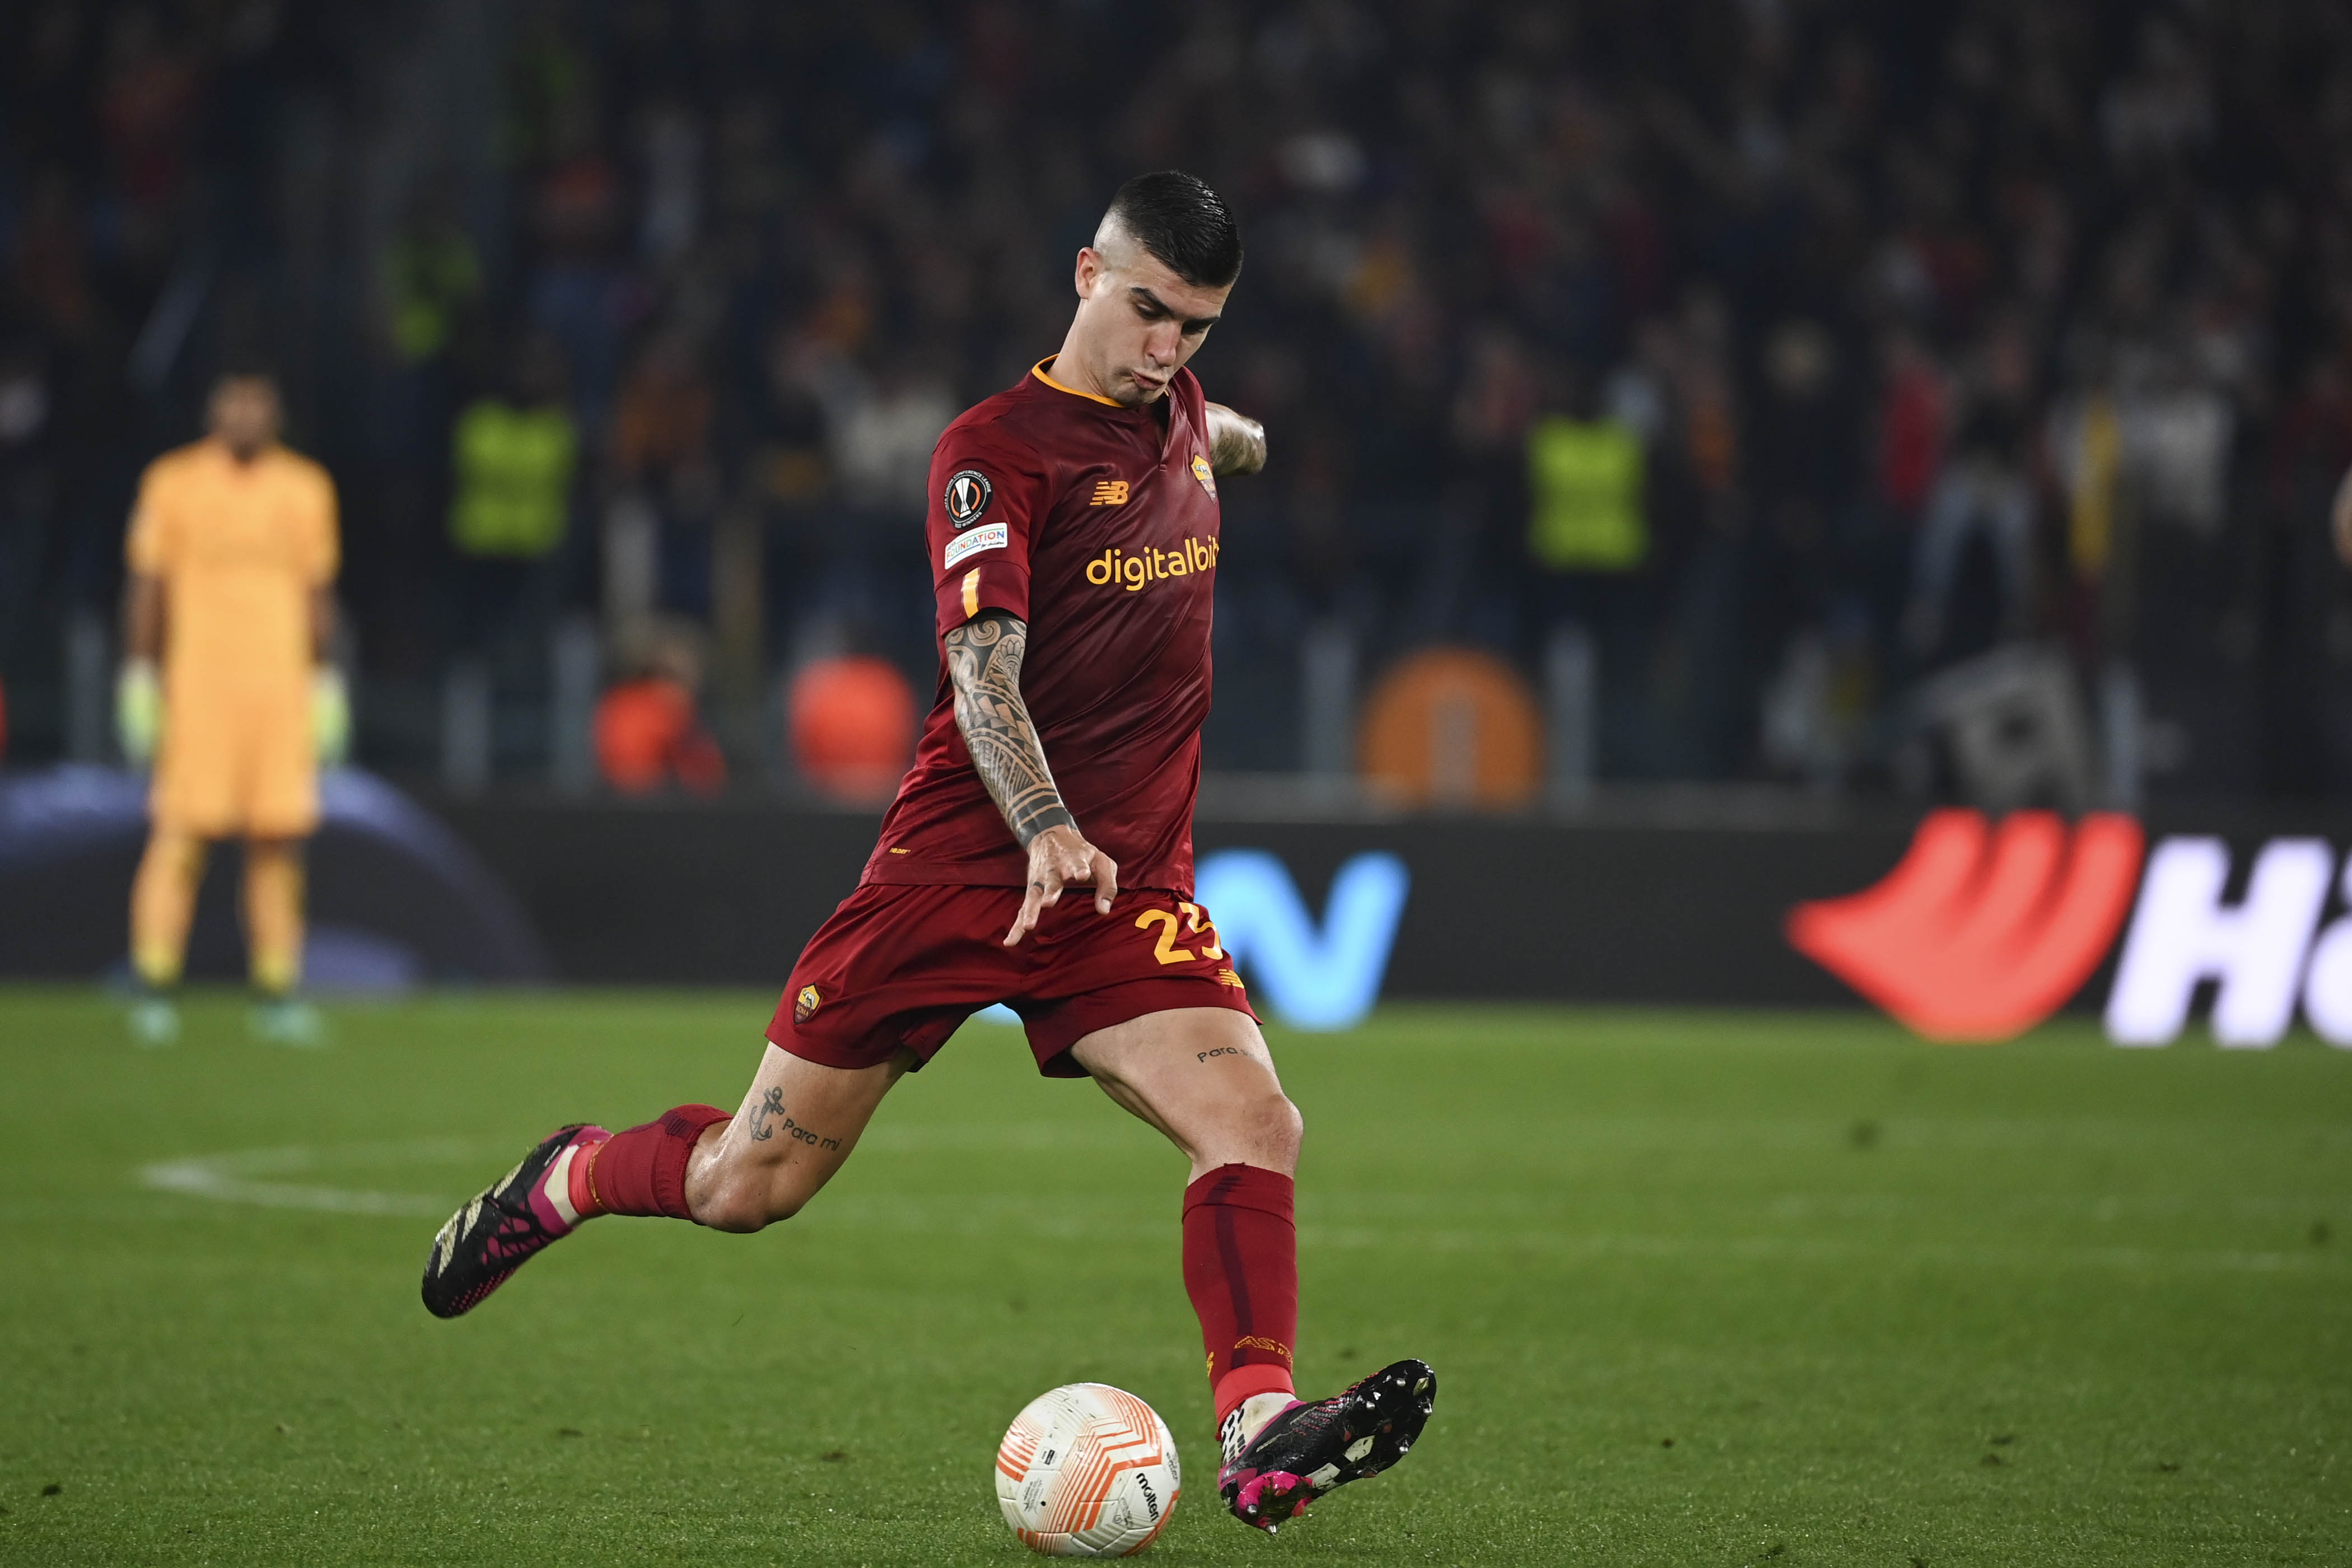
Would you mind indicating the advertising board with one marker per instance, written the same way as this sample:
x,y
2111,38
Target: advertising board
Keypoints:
x,y
1984,930
1966,929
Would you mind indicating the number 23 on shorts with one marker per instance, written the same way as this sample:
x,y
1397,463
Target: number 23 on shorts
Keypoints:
x,y
1165,950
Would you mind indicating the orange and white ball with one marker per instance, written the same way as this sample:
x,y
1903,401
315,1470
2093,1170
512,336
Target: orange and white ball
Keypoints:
x,y
1087,1471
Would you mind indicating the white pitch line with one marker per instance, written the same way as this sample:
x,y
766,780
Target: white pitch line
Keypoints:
x,y
232,1178
237,1177
196,1178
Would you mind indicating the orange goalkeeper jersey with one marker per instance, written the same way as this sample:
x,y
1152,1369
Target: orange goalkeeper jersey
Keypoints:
x,y
239,548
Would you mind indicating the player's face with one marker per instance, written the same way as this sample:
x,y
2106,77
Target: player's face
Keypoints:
x,y
244,414
1138,321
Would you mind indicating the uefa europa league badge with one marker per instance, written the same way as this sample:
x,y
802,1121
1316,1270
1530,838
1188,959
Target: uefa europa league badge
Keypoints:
x,y
968,495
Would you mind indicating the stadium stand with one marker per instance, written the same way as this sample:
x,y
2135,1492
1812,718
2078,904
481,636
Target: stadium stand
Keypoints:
x,y
1937,327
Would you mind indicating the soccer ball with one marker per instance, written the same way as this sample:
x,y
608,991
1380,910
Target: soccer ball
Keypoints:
x,y
1087,1471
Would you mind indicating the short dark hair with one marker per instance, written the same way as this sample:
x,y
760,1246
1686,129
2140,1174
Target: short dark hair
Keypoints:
x,y
1176,217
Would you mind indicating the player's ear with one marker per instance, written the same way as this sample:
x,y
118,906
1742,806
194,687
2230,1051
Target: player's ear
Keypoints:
x,y
1090,269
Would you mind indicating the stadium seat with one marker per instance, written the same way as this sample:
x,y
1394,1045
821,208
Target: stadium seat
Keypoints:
x,y
853,727
1451,726
647,734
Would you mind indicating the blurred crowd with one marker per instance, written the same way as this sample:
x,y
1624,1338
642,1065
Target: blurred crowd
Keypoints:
x,y
1789,350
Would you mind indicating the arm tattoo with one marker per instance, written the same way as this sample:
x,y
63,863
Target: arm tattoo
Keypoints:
x,y
984,666
1236,442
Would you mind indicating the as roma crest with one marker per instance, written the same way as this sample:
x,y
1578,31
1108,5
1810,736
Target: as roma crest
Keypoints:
x,y
805,1004
1207,476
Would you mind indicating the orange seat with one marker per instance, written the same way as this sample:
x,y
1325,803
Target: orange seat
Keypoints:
x,y
647,733
853,727
1451,726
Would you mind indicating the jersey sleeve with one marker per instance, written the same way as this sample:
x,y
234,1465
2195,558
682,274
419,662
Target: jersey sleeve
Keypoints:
x,y
989,494
148,549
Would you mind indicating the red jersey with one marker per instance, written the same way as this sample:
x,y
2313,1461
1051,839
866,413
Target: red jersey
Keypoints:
x,y
1097,526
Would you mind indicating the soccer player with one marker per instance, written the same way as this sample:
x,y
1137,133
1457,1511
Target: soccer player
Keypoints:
x,y
226,689
1073,531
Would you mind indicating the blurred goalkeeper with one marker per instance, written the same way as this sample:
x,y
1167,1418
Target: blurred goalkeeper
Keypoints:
x,y
226,689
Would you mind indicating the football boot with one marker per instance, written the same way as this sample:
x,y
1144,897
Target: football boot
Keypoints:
x,y
1306,1450
288,1021
517,1215
154,1023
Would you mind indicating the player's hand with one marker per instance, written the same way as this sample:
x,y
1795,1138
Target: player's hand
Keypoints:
x,y
330,716
138,711
1061,858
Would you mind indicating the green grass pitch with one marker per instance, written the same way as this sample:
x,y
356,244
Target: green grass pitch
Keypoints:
x,y
1701,1289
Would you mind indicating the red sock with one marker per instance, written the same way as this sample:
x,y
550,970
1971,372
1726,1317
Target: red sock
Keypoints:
x,y
579,1176
1241,1268
642,1171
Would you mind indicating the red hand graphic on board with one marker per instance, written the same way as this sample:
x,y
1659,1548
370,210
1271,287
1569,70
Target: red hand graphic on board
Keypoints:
x,y
1980,934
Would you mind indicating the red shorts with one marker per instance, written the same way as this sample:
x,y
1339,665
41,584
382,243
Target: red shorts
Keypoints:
x,y
901,965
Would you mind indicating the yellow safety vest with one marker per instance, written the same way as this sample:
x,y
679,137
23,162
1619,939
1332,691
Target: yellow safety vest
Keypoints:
x,y
514,479
1584,483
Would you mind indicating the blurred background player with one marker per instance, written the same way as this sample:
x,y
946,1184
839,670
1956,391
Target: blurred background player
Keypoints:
x,y
226,687
649,728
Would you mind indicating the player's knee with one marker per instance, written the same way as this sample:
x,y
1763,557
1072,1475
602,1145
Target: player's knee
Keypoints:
x,y
747,1201
742,1213
1289,1127
1272,1128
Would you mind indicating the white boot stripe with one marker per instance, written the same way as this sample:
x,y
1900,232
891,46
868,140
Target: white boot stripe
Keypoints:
x,y
558,1186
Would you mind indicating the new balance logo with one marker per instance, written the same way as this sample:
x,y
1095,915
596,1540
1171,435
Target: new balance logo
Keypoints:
x,y
1981,933
1110,492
